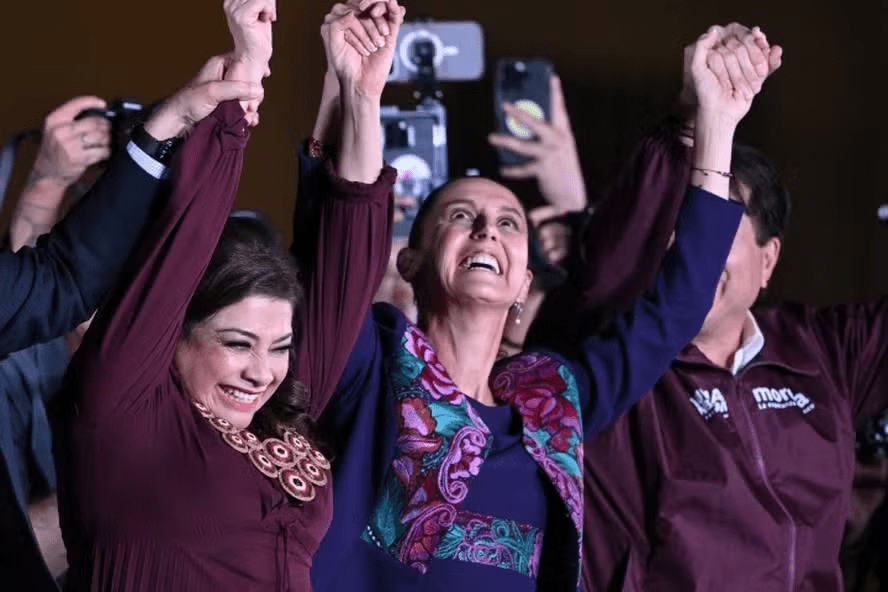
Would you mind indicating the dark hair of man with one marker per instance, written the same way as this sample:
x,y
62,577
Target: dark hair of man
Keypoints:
x,y
768,203
248,261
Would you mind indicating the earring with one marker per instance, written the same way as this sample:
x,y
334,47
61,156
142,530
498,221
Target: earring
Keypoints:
x,y
519,308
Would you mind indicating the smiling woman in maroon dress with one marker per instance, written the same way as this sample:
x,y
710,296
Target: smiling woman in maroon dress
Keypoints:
x,y
185,464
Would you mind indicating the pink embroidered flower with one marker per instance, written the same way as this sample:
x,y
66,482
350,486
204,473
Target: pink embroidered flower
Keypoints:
x,y
561,441
435,380
415,446
422,548
543,410
433,377
467,460
464,458
424,535
532,383
417,344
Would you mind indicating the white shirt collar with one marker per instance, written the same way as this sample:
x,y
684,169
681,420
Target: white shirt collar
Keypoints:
x,y
749,350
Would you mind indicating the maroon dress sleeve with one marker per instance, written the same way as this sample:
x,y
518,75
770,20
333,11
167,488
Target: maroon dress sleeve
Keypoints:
x,y
131,343
625,241
353,225
616,256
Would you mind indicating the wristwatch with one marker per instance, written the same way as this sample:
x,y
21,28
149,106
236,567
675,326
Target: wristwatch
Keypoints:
x,y
159,150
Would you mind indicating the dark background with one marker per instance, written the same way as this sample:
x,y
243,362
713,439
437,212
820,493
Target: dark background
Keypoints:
x,y
820,118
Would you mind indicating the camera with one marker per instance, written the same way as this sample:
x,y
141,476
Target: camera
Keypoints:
x,y
415,142
445,51
124,114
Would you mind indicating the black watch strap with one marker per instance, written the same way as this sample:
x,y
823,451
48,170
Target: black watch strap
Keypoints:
x,y
159,150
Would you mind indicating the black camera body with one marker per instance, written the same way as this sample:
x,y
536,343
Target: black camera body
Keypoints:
x,y
124,115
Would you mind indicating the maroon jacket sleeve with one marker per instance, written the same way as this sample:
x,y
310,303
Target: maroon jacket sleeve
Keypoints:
x,y
615,541
618,253
133,338
854,341
341,272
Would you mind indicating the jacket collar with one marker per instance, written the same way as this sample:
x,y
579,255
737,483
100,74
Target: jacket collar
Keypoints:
x,y
773,350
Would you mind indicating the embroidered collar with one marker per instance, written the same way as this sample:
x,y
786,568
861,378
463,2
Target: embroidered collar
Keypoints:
x,y
293,462
442,444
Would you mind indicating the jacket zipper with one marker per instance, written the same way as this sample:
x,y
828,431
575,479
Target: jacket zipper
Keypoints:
x,y
793,531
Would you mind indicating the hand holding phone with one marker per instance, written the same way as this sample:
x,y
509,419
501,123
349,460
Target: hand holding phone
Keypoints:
x,y
524,84
547,150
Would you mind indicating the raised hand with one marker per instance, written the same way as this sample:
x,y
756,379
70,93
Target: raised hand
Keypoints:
x,y
250,24
553,233
70,146
555,164
359,39
755,40
198,98
727,72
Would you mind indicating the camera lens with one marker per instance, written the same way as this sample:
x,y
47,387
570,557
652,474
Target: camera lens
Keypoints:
x,y
422,52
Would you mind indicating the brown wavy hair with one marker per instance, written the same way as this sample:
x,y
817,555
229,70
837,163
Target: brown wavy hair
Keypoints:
x,y
249,261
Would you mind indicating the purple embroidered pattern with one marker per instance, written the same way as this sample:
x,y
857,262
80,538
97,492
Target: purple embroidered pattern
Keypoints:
x,y
441,446
546,394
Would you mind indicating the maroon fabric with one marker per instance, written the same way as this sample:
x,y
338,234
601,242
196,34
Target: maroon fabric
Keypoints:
x,y
617,255
151,497
717,482
353,240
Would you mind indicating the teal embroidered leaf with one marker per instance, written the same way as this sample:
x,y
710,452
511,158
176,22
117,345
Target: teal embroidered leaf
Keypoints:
x,y
449,545
449,418
404,371
571,393
567,462
386,521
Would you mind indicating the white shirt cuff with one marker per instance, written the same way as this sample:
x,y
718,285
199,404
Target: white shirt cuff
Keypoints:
x,y
148,164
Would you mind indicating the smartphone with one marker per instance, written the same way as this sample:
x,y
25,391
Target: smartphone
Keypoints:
x,y
524,82
415,143
453,50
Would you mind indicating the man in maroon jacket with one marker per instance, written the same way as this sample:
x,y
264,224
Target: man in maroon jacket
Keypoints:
x,y
735,472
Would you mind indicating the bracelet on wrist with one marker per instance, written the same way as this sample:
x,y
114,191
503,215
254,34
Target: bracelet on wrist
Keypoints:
x,y
706,172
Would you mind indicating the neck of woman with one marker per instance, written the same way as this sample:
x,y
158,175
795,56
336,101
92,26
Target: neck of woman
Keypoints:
x,y
467,341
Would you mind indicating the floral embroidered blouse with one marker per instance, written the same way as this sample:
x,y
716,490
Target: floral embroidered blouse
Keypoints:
x,y
435,492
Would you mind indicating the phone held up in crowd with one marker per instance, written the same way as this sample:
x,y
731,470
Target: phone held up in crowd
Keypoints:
x,y
525,84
